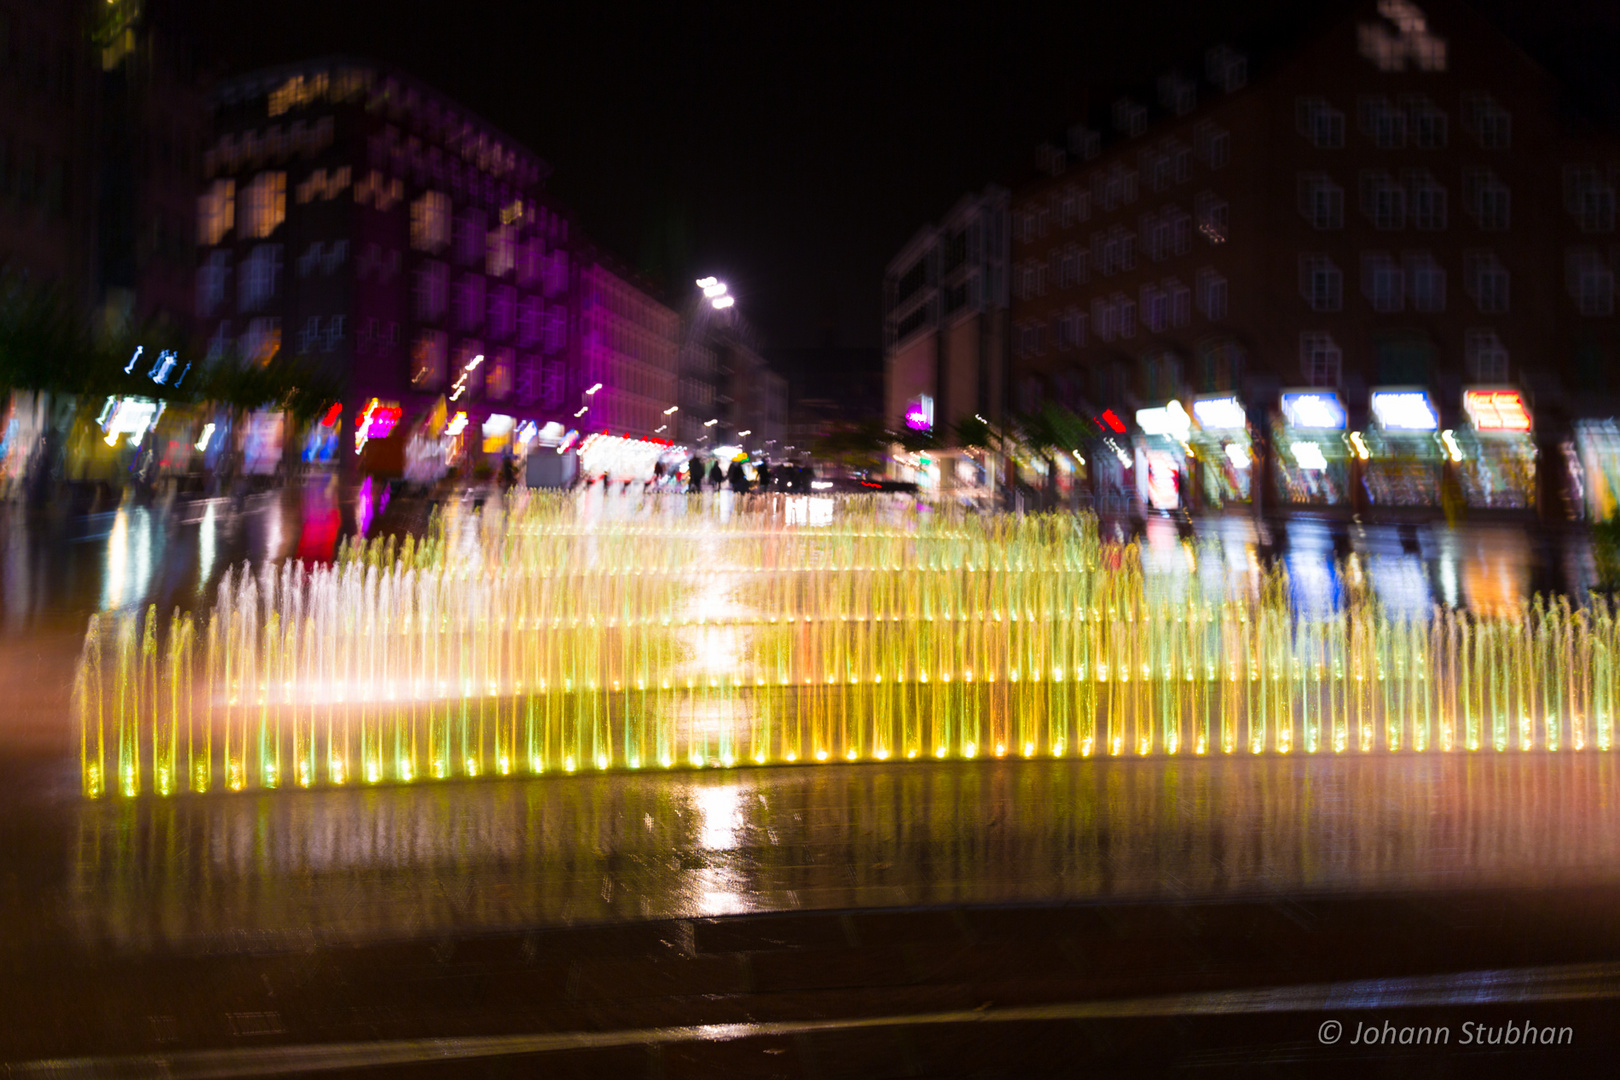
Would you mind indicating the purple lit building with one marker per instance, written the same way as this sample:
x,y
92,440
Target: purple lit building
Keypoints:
x,y
356,219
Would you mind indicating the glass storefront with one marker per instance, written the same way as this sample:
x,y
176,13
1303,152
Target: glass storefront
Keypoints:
x,y
1311,457
1223,449
1404,456
1497,466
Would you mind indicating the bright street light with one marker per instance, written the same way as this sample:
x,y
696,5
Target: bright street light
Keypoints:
x,y
710,423
717,289
722,302
705,282
593,389
579,414
659,428
672,408
740,434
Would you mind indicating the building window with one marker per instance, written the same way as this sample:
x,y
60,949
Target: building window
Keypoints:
x,y
1320,361
309,338
262,341
1319,122
1321,283
1213,215
216,211
1125,314
332,338
556,329
1212,143
1130,117
1427,200
310,260
1486,356
1321,201
1426,123
431,291
213,283
428,360
1489,123
1226,68
1382,283
1155,236
1104,319
1489,201
500,250
1155,308
1485,280
1383,123
1068,208
264,205
1425,282
498,380
430,221
1383,200
1590,282
1401,36
1589,198
1180,302
258,277
1069,268
1211,294
1177,93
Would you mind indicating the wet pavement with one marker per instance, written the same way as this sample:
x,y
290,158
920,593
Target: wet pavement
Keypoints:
x,y
950,918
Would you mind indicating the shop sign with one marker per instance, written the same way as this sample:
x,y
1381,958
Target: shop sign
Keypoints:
x,y
1318,410
920,413
1309,455
1404,410
1221,414
1169,420
1496,410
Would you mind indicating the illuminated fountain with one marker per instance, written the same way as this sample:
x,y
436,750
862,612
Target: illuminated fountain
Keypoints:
x,y
542,640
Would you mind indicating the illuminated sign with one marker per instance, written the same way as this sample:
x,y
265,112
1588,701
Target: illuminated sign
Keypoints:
x,y
920,413
1496,410
1220,414
128,416
1309,455
1403,410
1170,420
1112,422
1318,410
376,421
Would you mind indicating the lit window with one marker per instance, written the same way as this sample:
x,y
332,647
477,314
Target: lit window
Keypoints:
x,y
262,341
216,211
264,205
428,356
430,221
1401,38
498,382
1213,216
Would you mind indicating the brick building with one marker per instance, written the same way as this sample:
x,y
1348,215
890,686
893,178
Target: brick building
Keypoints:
x,y
1397,209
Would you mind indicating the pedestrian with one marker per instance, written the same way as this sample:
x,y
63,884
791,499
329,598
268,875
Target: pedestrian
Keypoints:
x,y
657,480
738,478
694,475
763,474
717,479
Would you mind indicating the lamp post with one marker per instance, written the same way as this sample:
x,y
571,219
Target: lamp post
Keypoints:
x,y
585,400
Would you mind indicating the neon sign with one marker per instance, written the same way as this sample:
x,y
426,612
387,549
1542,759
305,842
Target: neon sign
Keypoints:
x,y
1220,414
920,413
376,421
1314,409
1496,410
1404,410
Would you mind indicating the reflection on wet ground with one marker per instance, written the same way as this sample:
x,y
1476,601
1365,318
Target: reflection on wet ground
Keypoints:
x,y
383,863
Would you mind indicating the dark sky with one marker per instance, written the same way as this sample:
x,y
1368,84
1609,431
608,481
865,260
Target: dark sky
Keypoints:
x,y
790,150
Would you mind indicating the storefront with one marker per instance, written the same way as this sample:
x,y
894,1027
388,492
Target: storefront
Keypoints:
x,y
1404,454
1496,451
1311,455
1224,453
1161,455
1596,469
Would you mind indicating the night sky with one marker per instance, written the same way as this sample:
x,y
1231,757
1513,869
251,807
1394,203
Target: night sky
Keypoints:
x,y
790,150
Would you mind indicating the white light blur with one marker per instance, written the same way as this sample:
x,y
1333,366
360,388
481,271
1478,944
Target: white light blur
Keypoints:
x,y
1308,455
1220,414
718,288
722,302
593,389
705,282
202,441
1237,455
710,423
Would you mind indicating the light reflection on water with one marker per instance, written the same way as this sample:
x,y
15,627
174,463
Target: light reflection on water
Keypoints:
x,y
362,864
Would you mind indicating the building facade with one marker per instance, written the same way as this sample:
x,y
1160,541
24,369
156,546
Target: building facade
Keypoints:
x,y
1332,253
354,219
630,344
945,331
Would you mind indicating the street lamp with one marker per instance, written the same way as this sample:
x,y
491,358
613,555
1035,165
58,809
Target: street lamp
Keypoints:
x,y
672,409
711,423
593,389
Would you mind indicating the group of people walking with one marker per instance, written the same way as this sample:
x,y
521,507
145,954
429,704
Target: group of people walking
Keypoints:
x,y
789,477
